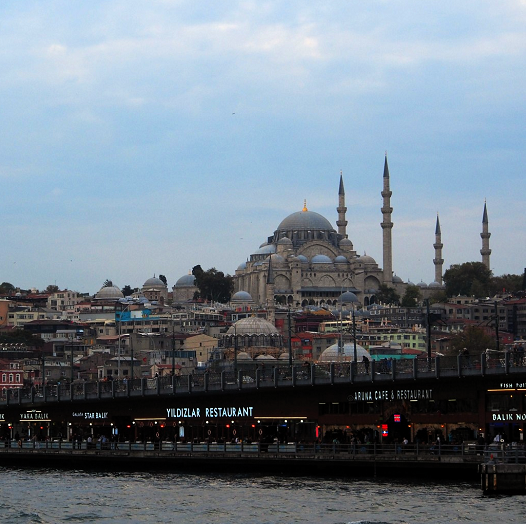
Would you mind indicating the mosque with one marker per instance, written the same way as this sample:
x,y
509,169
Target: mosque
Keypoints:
x,y
308,262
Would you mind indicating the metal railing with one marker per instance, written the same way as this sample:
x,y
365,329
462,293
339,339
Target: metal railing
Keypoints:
x,y
257,376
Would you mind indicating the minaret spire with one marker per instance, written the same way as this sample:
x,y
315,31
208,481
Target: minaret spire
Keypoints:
x,y
271,307
387,226
341,209
485,251
438,260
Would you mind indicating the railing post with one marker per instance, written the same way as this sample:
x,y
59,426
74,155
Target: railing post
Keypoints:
x,y
205,381
85,394
98,389
373,365
223,381
437,367
293,376
8,396
32,394
393,369
58,394
71,391
143,386
276,377
158,385
331,371
312,374
459,365
174,384
506,362
113,388
483,364
239,379
258,377
190,382
415,369
128,387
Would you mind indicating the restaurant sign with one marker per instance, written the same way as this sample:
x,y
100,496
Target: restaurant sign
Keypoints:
x,y
95,415
34,415
390,395
217,412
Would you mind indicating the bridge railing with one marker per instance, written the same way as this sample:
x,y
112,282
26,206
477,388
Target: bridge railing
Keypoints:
x,y
272,376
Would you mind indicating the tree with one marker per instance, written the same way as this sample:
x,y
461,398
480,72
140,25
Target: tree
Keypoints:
x,y
163,278
52,288
17,336
107,283
438,297
6,288
387,295
411,296
213,285
505,284
470,279
127,290
474,339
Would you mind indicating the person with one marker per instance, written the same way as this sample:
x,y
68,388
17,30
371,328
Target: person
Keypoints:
x,y
365,361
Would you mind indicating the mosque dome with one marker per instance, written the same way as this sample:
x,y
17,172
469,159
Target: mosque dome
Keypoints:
x,y
340,259
435,285
366,259
109,293
241,296
285,241
347,298
422,285
243,265
334,353
243,355
154,282
252,326
321,259
305,220
345,242
276,259
397,279
186,280
409,283
302,258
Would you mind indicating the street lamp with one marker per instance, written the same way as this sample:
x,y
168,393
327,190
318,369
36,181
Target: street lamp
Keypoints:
x,y
350,298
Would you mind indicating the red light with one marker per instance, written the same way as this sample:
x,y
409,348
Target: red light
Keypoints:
x,y
396,418
253,425
128,426
228,425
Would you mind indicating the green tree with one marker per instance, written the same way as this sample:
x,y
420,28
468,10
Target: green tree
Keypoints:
x,y
411,296
470,279
6,288
474,339
107,283
127,290
17,336
505,284
52,288
438,297
213,285
387,295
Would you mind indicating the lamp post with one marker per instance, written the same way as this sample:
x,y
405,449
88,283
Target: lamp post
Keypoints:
x,y
235,351
350,298
290,340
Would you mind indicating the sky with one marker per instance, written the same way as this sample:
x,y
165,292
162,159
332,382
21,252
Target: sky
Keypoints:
x,y
140,138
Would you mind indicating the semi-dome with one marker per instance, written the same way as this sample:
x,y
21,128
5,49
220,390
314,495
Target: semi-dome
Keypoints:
x,y
109,293
241,296
305,220
335,353
243,265
266,250
252,326
340,259
321,259
153,282
302,258
186,280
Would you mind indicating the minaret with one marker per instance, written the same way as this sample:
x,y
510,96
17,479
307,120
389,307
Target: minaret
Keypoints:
x,y
341,222
438,260
271,307
387,225
485,251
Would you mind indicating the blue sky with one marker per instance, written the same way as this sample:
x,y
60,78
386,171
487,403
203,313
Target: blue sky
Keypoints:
x,y
143,138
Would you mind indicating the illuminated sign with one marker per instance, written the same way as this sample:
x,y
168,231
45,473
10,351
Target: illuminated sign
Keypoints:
x,y
2,416
513,385
221,412
385,431
34,415
90,416
508,417
396,418
391,394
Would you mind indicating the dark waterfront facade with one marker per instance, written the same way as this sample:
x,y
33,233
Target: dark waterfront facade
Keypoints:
x,y
417,401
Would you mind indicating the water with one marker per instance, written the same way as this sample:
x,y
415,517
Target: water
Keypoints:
x,y
53,496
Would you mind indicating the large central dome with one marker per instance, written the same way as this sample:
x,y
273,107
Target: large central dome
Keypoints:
x,y
305,220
